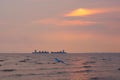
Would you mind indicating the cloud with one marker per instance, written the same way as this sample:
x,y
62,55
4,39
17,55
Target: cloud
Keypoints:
x,y
86,12
60,22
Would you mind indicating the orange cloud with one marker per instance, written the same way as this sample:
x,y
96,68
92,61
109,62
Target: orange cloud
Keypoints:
x,y
85,12
59,22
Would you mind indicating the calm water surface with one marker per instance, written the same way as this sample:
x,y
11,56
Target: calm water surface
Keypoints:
x,y
86,66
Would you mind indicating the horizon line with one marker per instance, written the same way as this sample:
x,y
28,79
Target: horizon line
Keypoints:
x,y
67,52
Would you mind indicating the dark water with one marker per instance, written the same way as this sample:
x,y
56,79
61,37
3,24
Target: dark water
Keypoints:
x,y
86,66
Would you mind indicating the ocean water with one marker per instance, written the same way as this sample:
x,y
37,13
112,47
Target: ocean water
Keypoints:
x,y
84,66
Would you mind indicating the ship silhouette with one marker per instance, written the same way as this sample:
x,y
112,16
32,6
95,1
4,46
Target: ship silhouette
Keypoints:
x,y
47,52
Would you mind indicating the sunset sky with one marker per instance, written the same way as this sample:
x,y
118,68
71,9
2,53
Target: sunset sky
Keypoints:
x,y
53,25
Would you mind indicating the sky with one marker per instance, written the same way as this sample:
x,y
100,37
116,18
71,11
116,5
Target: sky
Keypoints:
x,y
73,25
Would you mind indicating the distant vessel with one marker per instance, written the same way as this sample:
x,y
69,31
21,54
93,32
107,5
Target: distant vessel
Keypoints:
x,y
59,52
40,52
47,52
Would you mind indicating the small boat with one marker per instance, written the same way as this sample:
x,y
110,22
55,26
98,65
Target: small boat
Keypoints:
x,y
56,60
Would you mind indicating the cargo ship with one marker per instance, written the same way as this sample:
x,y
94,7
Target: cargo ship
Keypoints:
x,y
47,52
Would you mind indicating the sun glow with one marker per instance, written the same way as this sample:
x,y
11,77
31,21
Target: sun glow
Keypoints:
x,y
85,12
79,12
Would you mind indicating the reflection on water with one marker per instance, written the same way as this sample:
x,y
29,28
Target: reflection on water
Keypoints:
x,y
77,67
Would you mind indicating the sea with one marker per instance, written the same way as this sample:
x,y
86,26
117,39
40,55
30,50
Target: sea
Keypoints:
x,y
75,66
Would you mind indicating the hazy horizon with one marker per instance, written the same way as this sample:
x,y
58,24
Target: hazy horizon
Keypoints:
x,y
76,26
